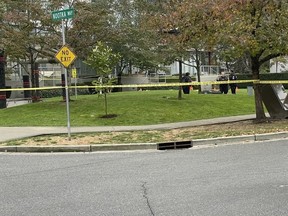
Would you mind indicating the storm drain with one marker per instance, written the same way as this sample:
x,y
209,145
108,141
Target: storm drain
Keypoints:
x,y
174,145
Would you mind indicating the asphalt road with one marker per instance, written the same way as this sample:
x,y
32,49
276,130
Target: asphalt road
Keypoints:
x,y
246,179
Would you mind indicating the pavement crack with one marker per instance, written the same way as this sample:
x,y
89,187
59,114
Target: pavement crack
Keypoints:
x,y
145,195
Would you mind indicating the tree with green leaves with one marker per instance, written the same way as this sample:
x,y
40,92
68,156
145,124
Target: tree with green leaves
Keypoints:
x,y
256,29
118,24
137,45
27,34
251,28
93,22
182,26
103,60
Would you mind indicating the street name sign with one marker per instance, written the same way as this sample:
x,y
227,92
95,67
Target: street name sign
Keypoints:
x,y
65,56
63,14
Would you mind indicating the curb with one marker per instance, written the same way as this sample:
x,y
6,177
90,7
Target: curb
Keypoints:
x,y
244,138
79,148
142,146
225,140
124,147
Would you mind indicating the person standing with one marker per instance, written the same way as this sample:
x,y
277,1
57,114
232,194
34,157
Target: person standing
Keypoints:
x,y
233,86
186,78
224,86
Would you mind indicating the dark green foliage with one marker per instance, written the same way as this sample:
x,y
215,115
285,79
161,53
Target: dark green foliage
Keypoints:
x,y
270,76
58,92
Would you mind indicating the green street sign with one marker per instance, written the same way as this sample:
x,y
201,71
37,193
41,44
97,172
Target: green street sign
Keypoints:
x,y
63,14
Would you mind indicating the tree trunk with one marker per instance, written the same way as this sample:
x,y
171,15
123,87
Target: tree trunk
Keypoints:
x,y
33,85
130,67
36,76
180,80
197,60
26,84
119,76
260,114
2,80
35,80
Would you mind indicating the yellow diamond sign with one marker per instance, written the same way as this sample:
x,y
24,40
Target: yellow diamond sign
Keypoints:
x,y
65,56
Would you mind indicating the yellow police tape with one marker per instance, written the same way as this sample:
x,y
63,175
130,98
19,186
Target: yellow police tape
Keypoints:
x,y
153,85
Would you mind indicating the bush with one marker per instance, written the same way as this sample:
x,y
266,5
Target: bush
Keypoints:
x,y
269,76
58,92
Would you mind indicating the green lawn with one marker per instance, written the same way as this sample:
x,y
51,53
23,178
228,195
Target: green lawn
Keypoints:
x,y
131,108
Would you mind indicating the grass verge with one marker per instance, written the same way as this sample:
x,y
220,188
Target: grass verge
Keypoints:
x,y
191,133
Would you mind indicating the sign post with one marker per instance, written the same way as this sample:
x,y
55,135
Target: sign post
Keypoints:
x,y
64,56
